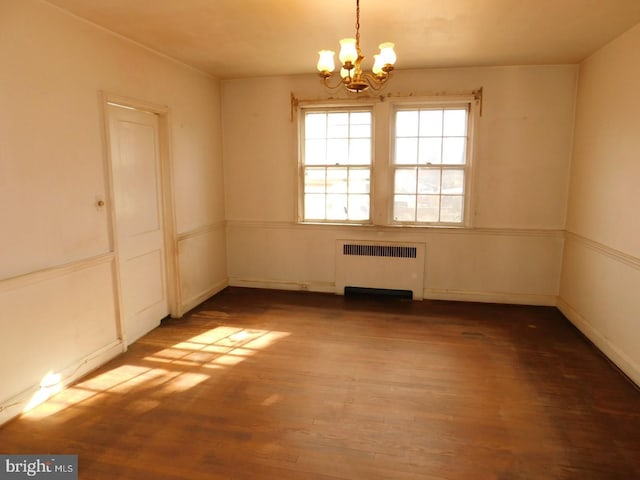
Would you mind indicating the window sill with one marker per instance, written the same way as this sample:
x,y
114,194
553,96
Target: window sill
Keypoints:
x,y
389,226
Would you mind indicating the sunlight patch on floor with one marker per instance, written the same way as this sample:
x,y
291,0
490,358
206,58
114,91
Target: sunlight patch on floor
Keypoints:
x,y
218,348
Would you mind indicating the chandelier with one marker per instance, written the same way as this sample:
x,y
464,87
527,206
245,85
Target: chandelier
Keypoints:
x,y
353,78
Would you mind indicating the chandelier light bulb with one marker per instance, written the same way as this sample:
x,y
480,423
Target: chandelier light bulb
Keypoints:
x,y
377,66
348,51
388,56
326,62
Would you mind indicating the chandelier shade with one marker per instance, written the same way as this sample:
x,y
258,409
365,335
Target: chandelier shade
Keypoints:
x,y
350,57
326,61
348,51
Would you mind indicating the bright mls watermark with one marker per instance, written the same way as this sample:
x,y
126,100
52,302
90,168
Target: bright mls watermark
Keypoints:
x,y
43,467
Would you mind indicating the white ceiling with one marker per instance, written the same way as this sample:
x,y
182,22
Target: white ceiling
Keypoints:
x,y
240,38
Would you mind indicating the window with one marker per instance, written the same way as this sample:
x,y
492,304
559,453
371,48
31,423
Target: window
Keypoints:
x,y
430,165
419,175
336,165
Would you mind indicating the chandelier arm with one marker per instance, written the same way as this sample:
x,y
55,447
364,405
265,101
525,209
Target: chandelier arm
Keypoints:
x,y
375,83
325,81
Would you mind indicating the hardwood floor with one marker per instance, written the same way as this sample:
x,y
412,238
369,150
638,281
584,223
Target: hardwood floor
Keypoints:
x,y
259,384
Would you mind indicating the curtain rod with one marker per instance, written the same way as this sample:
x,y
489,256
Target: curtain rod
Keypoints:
x,y
476,94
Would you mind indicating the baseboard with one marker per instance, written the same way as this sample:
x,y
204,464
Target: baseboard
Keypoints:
x,y
490,297
429,293
318,287
201,297
622,361
15,406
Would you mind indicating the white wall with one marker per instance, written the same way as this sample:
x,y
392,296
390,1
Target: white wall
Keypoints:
x,y
601,269
57,294
521,173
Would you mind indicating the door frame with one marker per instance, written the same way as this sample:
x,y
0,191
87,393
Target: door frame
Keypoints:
x,y
172,271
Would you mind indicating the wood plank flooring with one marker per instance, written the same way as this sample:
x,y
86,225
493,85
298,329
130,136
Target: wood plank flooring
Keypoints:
x,y
259,384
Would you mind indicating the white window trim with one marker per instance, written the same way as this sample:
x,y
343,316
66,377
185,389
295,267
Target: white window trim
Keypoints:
x,y
309,106
448,101
381,188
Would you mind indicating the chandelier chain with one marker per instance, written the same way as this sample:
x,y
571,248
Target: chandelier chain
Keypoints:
x,y
358,26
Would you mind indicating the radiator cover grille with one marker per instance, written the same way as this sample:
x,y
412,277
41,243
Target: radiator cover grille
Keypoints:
x,y
396,251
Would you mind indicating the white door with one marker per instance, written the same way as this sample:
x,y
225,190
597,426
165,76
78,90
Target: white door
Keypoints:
x,y
135,164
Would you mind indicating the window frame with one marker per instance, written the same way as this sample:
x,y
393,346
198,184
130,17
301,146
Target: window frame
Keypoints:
x,y
382,167
302,166
444,104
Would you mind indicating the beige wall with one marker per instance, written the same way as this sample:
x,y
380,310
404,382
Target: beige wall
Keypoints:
x,y
57,294
521,174
601,269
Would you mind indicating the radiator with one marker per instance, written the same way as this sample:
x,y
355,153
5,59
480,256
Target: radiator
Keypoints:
x,y
383,265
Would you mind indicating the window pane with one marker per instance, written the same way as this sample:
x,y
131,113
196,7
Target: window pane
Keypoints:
x,y
404,208
359,181
338,125
428,208
455,123
358,207
453,181
338,131
431,123
314,180
406,151
430,150
315,125
314,206
360,125
428,180
451,208
453,151
337,151
405,180
360,131
407,124
337,180
359,152
315,152
360,118
336,206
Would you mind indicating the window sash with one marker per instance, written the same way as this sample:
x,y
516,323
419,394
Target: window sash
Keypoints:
x,y
336,165
429,164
